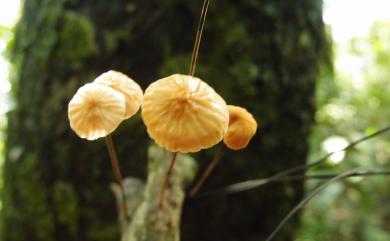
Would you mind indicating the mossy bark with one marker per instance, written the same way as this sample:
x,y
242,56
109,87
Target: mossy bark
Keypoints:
x,y
148,220
263,55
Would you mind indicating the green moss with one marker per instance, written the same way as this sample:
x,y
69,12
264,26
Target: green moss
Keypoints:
x,y
36,214
77,38
113,37
103,232
65,199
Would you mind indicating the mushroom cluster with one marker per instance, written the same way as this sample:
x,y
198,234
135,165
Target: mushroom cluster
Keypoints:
x,y
182,113
98,108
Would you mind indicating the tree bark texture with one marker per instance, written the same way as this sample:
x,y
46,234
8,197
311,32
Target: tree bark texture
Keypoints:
x,y
263,55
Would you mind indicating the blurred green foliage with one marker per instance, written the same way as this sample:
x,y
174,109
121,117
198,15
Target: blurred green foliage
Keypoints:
x,y
5,37
354,103
5,33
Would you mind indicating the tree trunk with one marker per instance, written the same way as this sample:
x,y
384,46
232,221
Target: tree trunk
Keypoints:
x,y
262,55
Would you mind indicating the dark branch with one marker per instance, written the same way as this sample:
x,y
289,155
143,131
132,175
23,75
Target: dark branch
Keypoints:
x,y
332,175
324,158
256,183
307,199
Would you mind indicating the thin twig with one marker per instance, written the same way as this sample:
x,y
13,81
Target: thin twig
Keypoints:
x,y
311,195
302,203
252,184
207,172
198,37
166,180
239,187
117,172
320,176
324,158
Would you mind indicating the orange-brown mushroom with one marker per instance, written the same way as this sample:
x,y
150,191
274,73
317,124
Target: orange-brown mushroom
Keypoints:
x,y
242,127
184,114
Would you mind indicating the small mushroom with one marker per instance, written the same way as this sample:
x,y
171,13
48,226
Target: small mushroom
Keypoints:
x,y
95,111
128,87
242,127
184,114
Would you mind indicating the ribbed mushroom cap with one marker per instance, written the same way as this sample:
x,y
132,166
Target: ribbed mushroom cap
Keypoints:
x,y
128,87
242,127
184,114
95,111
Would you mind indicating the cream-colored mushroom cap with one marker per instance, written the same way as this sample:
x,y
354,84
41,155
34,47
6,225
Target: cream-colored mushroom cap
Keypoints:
x,y
128,87
95,111
242,127
184,114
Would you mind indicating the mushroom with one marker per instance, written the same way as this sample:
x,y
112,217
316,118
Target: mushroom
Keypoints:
x,y
242,127
184,114
95,111
123,84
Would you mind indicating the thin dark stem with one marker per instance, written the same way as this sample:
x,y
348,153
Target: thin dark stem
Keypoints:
x,y
252,184
166,180
207,172
306,200
240,187
324,158
198,37
117,172
331,175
